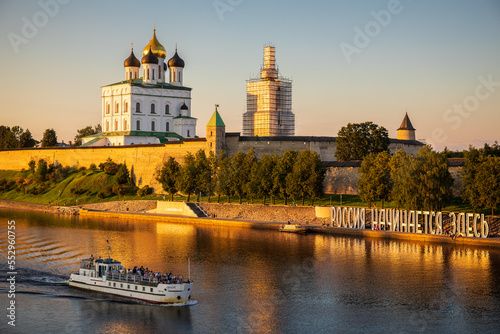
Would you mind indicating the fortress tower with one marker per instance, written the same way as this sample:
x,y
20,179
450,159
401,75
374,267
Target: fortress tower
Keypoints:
x,y
216,133
269,102
406,131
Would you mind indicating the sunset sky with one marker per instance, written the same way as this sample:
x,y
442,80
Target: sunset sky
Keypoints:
x,y
350,61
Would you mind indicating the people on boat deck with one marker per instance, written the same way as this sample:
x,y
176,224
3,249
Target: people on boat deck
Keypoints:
x,y
149,275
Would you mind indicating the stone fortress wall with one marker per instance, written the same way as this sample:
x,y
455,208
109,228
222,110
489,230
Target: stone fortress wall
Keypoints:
x,y
144,160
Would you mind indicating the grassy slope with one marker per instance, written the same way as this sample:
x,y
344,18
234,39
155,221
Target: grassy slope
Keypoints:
x,y
60,194
94,181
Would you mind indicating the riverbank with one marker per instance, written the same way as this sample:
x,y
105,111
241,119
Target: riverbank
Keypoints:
x,y
244,215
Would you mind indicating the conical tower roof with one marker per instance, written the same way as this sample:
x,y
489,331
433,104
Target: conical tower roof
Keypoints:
x,y
216,120
406,125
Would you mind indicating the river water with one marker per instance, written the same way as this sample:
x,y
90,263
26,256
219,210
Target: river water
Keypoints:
x,y
248,280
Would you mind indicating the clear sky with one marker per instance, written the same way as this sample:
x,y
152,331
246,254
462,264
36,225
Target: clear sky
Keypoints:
x,y
350,61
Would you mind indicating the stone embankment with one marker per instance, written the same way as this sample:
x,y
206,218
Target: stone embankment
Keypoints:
x,y
122,206
268,213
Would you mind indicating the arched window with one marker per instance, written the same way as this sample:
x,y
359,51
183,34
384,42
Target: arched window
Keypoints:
x,y
180,76
138,107
147,74
173,74
159,72
153,126
188,133
152,108
124,125
167,127
107,108
107,125
167,109
117,108
138,125
125,107
116,125
153,74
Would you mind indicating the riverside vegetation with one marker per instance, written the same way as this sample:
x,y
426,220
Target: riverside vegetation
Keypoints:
x,y
421,182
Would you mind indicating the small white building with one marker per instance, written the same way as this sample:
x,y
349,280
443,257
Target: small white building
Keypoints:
x,y
151,109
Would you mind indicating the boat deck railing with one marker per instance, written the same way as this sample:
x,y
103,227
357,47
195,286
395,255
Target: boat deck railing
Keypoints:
x,y
132,278
135,279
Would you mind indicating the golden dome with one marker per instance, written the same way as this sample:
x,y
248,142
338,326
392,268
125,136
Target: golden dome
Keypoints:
x,y
156,47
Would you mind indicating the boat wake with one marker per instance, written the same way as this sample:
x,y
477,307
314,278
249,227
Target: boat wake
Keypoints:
x,y
49,280
190,302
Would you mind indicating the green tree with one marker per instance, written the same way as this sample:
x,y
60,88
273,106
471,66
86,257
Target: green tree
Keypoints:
x,y
268,163
246,168
109,167
27,140
422,182
284,166
253,186
212,163
42,170
306,178
261,181
400,165
237,177
32,165
375,181
204,174
488,183
493,150
86,131
49,138
168,176
187,176
357,140
123,175
222,177
7,138
470,191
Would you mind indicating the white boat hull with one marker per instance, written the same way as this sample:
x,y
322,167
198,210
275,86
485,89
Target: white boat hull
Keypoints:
x,y
160,294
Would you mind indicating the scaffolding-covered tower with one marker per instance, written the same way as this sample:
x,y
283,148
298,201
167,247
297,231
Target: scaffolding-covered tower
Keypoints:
x,y
269,102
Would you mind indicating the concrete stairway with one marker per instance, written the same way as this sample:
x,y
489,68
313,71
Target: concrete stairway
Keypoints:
x,y
198,211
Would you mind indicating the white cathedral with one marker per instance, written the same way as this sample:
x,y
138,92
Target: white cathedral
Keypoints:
x,y
151,109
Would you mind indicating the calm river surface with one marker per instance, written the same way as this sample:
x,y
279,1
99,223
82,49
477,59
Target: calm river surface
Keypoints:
x,y
249,280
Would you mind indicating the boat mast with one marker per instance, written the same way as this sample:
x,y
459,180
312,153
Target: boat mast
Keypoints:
x,y
109,247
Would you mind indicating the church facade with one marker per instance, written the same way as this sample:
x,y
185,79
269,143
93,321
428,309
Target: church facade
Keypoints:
x,y
151,109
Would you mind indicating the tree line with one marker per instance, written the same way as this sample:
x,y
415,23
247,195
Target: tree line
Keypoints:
x,y
16,137
424,182
420,182
295,175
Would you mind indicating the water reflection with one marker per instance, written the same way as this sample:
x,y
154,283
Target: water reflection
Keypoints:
x,y
255,280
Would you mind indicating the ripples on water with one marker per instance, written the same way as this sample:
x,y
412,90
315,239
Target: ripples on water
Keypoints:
x,y
250,280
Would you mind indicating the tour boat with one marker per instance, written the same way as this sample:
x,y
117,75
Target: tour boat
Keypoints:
x,y
109,276
293,228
